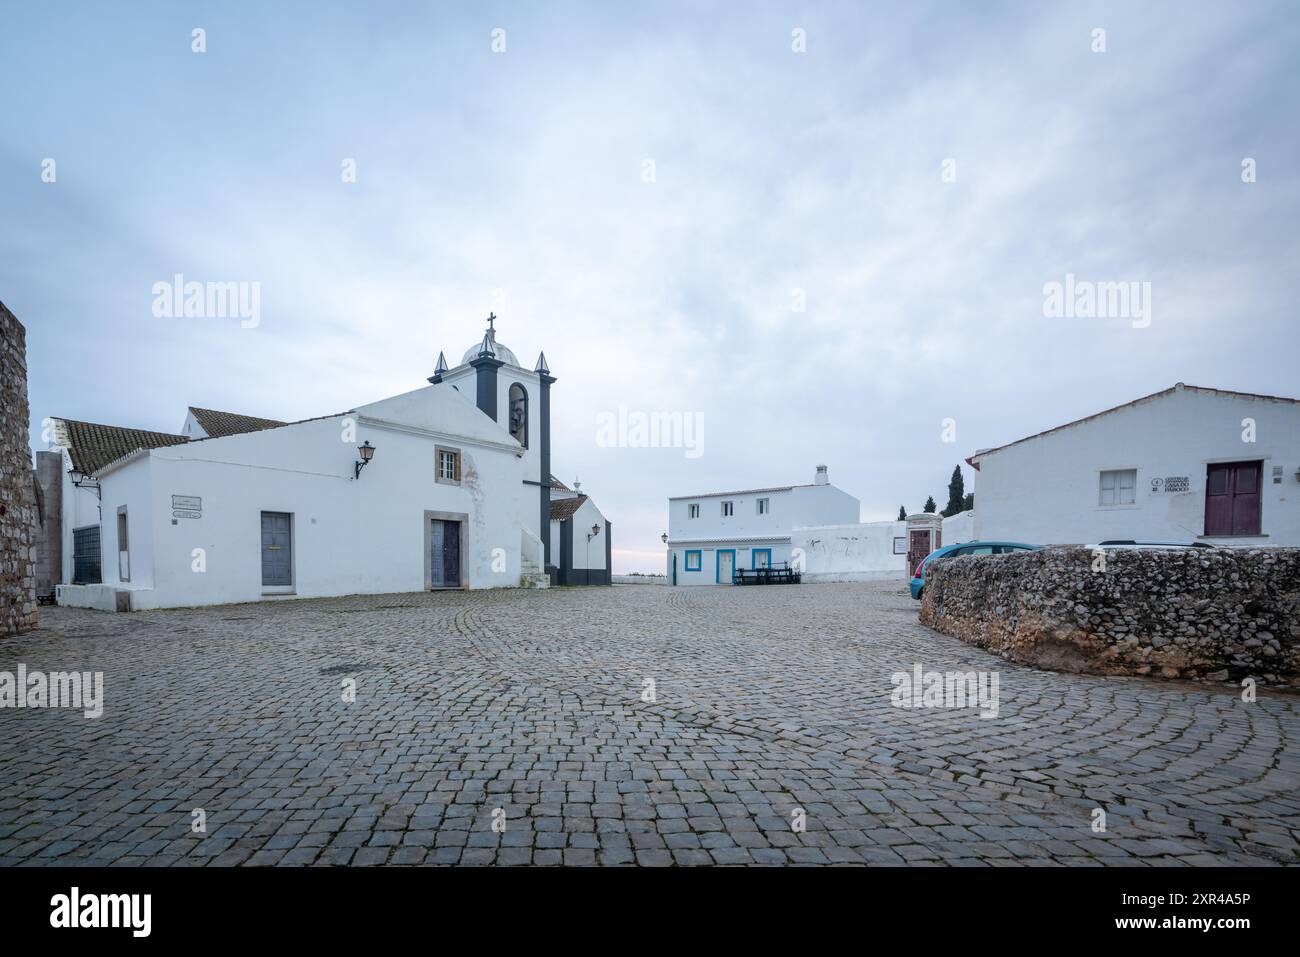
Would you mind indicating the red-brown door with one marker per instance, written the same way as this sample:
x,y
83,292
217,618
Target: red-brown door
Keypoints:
x,y
1232,498
918,546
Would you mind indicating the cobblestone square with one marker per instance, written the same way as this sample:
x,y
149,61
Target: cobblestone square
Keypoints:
x,y
526,709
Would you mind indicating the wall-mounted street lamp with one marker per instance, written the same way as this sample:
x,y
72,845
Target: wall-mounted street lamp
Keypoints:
x,y
367,452
664,538
595,530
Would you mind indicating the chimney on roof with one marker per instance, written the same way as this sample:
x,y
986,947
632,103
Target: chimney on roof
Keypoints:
x,y
821,478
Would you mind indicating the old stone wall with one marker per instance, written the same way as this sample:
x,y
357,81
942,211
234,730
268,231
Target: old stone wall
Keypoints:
x,y
17,496
1220,614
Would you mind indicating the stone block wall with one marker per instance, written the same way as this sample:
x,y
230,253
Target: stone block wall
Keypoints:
x,y
1218,614
17,491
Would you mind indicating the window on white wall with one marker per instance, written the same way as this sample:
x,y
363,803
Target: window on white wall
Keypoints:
x,y
693,511
448,466
764,506
1118,487
123,546
728,509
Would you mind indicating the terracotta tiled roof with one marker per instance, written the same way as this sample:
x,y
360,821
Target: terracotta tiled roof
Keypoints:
x,y
564,508
218,424
557,484
92,446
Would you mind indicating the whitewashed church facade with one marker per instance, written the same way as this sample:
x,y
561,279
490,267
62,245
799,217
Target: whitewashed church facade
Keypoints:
x,y
445,486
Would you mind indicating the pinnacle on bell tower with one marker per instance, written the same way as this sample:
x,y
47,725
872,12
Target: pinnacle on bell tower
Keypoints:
x,y
440,370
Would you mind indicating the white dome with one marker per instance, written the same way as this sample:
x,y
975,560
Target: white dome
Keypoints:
x,y
503,353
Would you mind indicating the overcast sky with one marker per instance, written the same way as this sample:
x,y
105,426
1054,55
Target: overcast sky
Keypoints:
x,y
778,176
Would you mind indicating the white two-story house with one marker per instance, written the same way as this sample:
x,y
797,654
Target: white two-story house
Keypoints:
x,y
712,535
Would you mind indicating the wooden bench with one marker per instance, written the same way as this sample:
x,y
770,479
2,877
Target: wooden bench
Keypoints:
x,y
781,574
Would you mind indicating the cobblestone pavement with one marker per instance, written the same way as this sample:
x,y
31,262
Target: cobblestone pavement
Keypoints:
x,y
768,700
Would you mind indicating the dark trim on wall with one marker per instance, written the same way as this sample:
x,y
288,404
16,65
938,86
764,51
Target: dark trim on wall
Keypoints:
x,y
565,569
544,453
486,381
609,553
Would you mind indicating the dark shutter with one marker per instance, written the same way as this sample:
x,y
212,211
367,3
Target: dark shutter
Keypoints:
x,y
85,556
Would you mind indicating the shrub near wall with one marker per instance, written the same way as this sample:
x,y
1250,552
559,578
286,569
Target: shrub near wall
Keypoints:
x,y
1221,614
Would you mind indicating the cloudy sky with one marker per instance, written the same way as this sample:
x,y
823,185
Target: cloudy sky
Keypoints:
x,y
686,213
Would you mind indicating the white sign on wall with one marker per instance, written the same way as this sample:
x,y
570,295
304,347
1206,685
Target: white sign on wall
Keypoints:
x,y
187,506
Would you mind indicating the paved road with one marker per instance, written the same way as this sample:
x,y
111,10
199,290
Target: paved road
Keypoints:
x,y
529,705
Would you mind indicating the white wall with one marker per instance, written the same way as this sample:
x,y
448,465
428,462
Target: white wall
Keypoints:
x,y
823,505
586,554
707,575
131,486
350,535
744,522
789,507
1045,490
959,528
80,508
854,552
191,427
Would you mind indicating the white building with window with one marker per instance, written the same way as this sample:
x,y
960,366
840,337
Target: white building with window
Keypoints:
x,y
1185,464
446,486
714,534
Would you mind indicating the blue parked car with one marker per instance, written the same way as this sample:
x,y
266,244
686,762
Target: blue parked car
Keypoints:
x,y
917,584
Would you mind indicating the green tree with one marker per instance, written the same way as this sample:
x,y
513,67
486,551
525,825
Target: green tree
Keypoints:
x,y
968,502
956,493
929,504
902,513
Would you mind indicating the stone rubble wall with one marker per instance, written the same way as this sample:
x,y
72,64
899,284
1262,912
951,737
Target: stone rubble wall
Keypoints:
x,y
17,495
1221,614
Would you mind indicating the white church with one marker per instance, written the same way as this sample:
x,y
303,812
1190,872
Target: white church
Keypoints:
x,y
448,486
